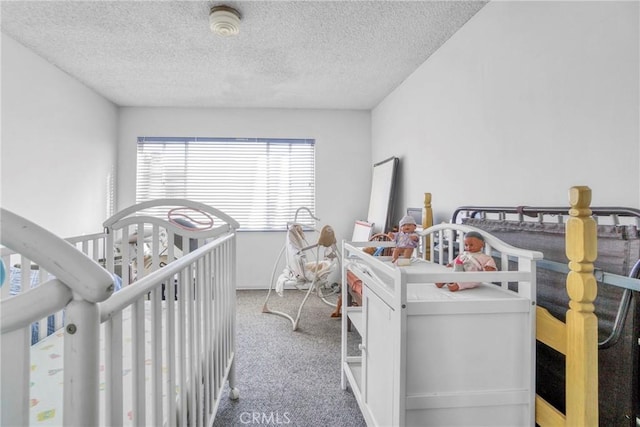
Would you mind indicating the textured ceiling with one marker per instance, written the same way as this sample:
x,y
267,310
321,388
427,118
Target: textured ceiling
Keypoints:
x,y
289,54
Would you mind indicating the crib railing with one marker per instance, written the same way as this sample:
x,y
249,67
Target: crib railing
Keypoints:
x,y
197,326
191,300
24,274
76,275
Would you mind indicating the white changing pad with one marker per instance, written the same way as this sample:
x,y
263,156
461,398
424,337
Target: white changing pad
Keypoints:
x,y
430,292
484,292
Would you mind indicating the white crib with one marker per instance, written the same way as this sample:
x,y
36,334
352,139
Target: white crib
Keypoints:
x,y
156,352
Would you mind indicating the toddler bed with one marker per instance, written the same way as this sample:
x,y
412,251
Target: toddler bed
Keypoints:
x,y
157,352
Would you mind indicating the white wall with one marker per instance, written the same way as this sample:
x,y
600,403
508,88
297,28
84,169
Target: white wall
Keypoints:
x,y
536,97
58,145
343,164
525,101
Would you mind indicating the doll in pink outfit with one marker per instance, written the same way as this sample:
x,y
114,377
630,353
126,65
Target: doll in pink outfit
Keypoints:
x,y
472,259
406,239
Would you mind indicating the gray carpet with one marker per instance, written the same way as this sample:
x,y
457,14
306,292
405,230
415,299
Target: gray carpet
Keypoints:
x,y
286,377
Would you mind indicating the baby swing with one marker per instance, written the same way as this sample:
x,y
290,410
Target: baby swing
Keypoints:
x,y
314,271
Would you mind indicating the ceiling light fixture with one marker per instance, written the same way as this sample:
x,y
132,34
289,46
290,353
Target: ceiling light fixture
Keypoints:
x,y
224,20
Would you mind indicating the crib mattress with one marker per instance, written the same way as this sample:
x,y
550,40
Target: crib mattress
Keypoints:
x,y
46,397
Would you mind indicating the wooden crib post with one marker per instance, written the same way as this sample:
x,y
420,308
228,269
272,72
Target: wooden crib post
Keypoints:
x,y
427,221
582,324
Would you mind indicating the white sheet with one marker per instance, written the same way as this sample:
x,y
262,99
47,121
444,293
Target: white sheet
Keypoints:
x,y
47,375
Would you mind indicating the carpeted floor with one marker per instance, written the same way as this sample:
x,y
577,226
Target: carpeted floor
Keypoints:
x,y
286,377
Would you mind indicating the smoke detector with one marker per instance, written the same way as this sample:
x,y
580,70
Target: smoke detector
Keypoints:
x,y
224,21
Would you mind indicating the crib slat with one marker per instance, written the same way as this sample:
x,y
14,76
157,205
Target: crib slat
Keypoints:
x,y
220,300
140,254
207,308
192,400
197,343
156,355
208,281
182,330
218,292
230,311
227,325
126,256
170,355
138,363
156,249
229,305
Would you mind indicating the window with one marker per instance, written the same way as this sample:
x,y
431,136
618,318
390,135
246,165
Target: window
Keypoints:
x,y
259,182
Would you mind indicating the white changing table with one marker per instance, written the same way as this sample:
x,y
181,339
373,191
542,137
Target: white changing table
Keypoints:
x,y
431,357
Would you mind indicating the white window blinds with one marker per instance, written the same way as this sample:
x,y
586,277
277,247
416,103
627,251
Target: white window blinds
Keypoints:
x,y
259,182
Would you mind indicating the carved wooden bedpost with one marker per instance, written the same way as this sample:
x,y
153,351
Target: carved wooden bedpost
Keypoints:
x,y
427,221
582,324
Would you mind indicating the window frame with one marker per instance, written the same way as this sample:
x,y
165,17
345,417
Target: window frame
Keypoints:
x,y
274,177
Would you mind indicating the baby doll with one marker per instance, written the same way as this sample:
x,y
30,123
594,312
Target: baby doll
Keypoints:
x,y
406,239
472,259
